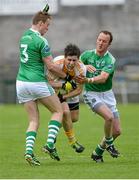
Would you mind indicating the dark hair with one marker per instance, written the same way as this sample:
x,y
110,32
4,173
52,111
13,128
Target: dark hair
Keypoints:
x,y
107,33
72,50
40,16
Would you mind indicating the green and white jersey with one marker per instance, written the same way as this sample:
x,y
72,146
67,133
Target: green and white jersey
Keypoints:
x,y
33,47
105,63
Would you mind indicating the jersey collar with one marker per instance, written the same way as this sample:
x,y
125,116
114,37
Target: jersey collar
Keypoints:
x,y
98,55
35,31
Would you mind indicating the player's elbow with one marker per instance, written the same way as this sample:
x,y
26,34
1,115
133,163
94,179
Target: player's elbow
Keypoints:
x,y
51,83
79,90
104,78
51,67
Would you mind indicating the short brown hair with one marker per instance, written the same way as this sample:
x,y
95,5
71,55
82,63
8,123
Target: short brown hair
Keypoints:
x,y
107,33
71,50
40,16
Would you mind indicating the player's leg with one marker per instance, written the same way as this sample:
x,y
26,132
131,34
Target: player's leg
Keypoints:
x,y
94,100
54,106
26,96
68,128
91,99
67,123
74,109
75,115
116,129
107,115
31,133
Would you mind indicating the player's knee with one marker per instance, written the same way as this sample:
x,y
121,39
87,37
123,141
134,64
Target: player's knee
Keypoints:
x,y
75,116
74,120
110,119
56,108
117,133
66,112
59,110
58,113
34,124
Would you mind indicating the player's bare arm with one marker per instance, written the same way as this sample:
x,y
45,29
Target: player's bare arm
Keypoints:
x,y
74,92
90,68
53,67
97,79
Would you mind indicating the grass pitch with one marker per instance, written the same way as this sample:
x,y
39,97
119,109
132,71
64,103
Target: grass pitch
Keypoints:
x,y
89,130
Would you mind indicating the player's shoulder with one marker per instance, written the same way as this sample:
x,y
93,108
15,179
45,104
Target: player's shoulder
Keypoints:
x,y
110,57
81,68
59,59
80,64
37,37
26,36
41,39
90,51
87,53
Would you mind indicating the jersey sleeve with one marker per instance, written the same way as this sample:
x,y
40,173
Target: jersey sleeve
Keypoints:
x,y
83,70
110,66
85,56
58,61
45,49
80,69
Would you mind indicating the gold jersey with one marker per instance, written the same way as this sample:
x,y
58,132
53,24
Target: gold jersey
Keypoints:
x,y
78,70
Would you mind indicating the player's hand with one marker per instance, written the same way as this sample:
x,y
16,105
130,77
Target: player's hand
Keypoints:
x,y
90,68
81,79
60,96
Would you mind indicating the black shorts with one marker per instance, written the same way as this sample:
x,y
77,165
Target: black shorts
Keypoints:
x,y
73,106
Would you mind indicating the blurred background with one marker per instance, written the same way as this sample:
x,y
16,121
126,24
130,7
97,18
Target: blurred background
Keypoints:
x,y
79,22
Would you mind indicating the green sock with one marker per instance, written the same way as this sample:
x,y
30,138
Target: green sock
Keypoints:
x,y
53,129
109,140
30,140
99,150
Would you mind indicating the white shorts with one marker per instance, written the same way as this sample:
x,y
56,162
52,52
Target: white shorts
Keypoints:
x,y
96,99
27,91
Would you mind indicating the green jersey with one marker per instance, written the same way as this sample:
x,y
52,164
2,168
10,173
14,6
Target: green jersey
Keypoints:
x,y
104,63
33,47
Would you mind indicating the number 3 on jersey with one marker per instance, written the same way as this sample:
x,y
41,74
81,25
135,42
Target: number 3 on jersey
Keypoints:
x,y
24,55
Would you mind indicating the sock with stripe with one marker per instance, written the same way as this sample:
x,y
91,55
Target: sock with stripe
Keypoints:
x,y
53,129
30,140
71,136
99,150
109,140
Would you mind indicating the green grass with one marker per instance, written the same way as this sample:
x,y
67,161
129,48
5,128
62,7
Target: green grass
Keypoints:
x,y
89,130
